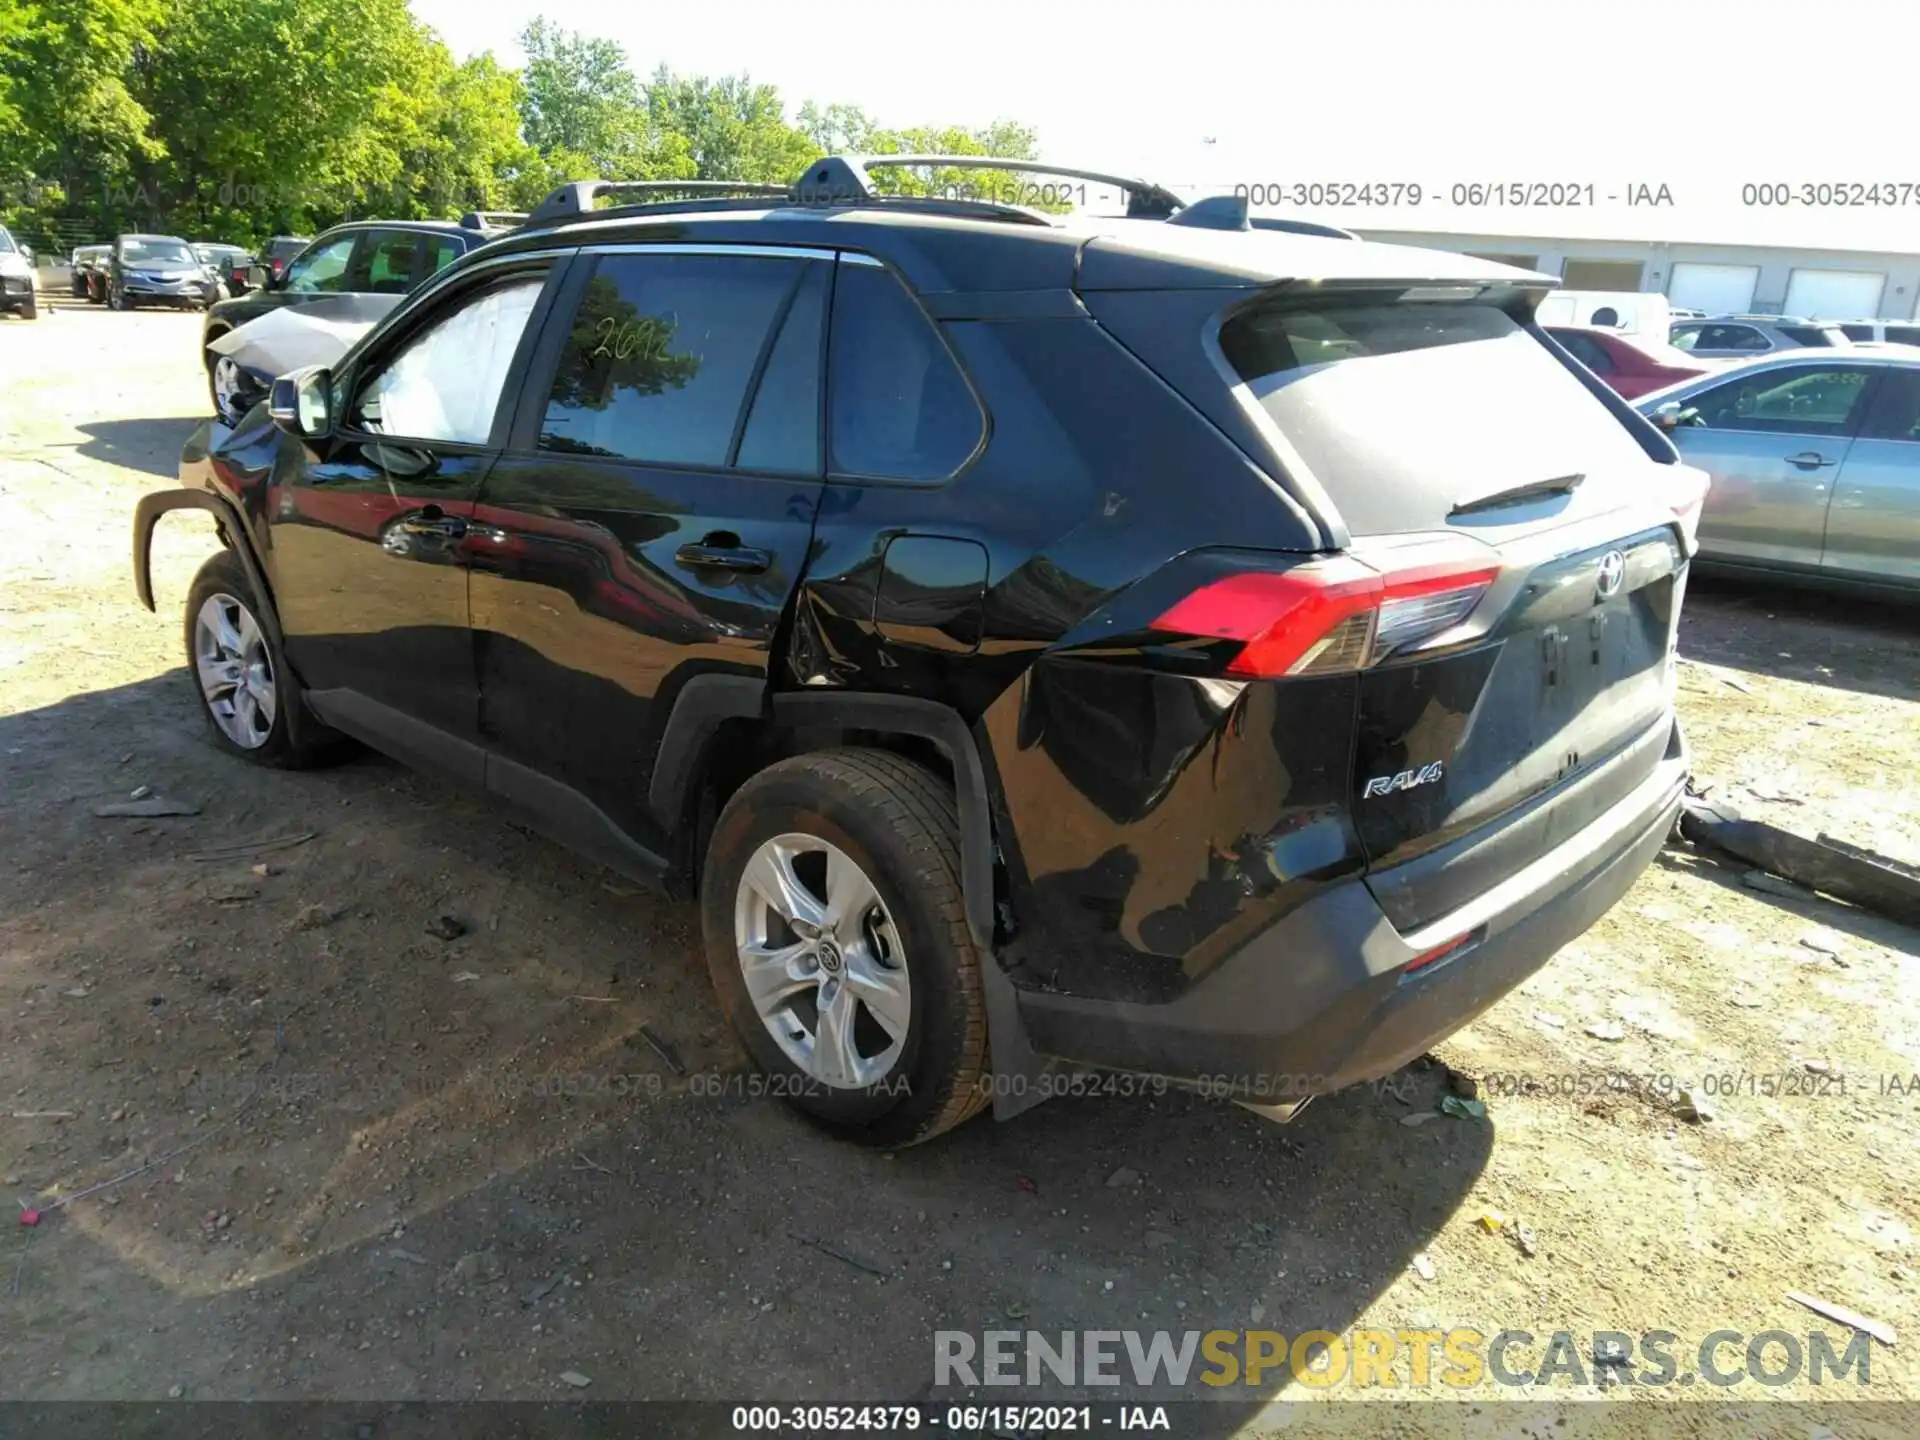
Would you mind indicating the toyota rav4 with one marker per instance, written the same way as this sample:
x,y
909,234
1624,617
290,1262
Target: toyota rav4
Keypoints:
x,y
1172,643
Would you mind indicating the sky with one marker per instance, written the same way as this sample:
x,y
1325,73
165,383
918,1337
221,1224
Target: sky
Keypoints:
x,y
1207,94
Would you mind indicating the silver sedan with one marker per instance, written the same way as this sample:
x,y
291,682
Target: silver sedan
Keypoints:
x,y
1815,459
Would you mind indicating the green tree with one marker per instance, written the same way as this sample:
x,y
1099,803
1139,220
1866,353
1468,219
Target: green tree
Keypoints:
x,y
734,129
70,118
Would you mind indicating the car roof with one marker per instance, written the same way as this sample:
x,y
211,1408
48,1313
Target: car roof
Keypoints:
x,y
131,235
964,252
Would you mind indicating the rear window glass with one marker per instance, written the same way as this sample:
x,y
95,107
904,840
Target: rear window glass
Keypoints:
x,y
1904,334
1403,409
1807,334
1857,332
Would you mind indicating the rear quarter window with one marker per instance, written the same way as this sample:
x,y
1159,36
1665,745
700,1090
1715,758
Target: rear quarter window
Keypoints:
x,y
900,408
1400,409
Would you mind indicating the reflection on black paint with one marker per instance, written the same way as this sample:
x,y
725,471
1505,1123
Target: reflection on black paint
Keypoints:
x,y
613,348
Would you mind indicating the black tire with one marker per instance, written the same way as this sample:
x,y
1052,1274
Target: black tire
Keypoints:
x,y
897,821
31,309
296,740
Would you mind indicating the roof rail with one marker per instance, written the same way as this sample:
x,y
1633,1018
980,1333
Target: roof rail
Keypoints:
x,y
576,197
492,219
1231,212
843,180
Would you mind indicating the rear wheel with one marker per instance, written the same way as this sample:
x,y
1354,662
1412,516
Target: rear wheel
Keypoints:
x,y
247,696
837,939
30,308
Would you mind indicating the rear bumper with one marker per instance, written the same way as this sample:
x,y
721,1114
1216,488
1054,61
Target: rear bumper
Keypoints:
x,y
1321,1000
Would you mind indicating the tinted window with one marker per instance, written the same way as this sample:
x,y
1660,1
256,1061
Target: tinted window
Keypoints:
x,y
1587,350
1807,334
900,407
1857,332
444,384
661,353
783,428
385,263
1896,409
442,251
323,269
1797,400
1730,337
1401,409
1904,334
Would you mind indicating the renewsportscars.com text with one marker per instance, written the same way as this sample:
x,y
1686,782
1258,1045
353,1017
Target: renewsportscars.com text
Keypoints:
x,y
1457,1359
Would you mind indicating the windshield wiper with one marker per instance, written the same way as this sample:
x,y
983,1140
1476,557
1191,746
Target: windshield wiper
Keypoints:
x,y
1519,494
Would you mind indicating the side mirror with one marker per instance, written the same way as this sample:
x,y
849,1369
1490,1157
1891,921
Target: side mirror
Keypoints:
x,y
1672,415
299,403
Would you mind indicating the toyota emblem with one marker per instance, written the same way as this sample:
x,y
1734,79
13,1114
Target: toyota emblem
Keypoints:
x,y
1613,574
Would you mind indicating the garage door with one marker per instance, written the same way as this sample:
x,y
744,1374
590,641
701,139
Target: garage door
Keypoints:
x,y
1835,294
1601,275
1716,289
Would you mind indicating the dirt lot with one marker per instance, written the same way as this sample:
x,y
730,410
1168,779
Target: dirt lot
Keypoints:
x,y
374,1192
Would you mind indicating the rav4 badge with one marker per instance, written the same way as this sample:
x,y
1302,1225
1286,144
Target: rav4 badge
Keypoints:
x,y
1405,780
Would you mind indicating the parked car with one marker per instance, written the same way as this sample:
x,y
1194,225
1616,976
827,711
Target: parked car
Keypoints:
x,y
1680,312
1815,459
17,286
1886,332
84,264
280,249
1741,337
1632,365
1248,656
377,257
228,265
154,270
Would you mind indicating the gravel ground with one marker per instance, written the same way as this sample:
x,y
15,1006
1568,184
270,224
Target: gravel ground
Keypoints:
x,y
402,1167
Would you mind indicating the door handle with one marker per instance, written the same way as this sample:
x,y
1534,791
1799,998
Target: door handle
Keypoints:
x,y
434,521
712,554
1809,460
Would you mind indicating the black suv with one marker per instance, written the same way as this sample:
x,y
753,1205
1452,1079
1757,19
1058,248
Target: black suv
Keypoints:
x,y
361,257
1156,645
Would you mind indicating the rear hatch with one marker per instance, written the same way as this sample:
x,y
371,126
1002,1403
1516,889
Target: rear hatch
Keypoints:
x,y
1517,679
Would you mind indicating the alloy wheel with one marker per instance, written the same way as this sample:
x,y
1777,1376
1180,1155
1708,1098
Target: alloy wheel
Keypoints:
x,y
227,386
235,670
822,961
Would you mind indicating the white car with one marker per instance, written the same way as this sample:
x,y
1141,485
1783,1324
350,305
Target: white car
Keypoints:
x,y
1893,332
16,278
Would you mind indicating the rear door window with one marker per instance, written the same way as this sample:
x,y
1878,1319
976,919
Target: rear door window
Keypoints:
x,y
1401,409
385,264
1904,334
1812,334
442,251
661,355
900,408
1896,409
1731,337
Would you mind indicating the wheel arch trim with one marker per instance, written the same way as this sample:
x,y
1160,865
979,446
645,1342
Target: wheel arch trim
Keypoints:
x,y
147,513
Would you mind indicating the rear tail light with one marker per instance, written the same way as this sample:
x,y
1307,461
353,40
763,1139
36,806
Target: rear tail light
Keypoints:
x,y
1328,615
1689,500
